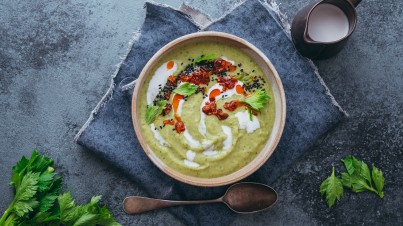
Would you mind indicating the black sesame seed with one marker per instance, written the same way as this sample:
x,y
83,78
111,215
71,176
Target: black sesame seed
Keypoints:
x,y
241,70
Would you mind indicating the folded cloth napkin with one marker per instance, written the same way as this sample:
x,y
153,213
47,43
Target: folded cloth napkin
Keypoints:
x,y
311,110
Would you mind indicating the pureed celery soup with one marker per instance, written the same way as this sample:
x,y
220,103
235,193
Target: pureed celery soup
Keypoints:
x,y
206,110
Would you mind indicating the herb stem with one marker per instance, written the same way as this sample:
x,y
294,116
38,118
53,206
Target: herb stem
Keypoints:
x,y
10,220
5,215
373,190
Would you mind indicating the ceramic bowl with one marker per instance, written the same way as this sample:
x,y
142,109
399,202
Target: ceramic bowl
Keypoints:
x,y
279,100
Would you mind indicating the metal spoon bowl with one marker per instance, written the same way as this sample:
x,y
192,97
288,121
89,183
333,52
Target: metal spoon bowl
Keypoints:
x,y
245,197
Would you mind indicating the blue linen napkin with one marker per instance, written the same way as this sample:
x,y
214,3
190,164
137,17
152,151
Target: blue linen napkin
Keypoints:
x,y
311,110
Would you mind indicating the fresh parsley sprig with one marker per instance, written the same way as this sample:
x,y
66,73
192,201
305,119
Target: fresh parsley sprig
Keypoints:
x,y
89,214
244,78
154,110
186,89
257,100
209,57
358,178
332,188
37,200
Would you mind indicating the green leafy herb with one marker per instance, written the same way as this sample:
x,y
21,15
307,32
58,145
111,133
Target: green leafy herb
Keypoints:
x,y
378,179
37,201
244,78
358,178
332,188
205,58
186,89
250,114
257,100
154,110
89,214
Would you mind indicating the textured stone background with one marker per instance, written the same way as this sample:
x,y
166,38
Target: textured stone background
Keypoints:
x,y
56,58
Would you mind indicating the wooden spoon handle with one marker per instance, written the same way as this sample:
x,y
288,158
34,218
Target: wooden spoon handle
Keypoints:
x,y
137,204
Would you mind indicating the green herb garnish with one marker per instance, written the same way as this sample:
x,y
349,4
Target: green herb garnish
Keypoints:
x,y
250,114
88,214
205,58
358,178
37,200
257,100
332,188
244,78
186,89
154,110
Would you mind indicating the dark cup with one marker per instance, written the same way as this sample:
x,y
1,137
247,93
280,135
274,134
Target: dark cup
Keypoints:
x,y
315,49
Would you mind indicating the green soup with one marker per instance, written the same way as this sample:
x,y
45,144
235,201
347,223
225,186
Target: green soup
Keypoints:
x,y
205,109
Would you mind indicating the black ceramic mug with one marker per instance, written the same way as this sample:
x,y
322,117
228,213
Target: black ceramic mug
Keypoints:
x,y
315,48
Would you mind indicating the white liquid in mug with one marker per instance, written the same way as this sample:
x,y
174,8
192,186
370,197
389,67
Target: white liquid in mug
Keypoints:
x,y
327,23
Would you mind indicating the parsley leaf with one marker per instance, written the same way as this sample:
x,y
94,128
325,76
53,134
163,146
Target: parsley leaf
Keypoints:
x,y
47,200
153,111
348,163
378,179
24,200
358,176
332,188
209,57
257,100
244,78
37,200
186,89
89,214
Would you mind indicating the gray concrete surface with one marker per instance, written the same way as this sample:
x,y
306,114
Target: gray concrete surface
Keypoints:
x,y
56,58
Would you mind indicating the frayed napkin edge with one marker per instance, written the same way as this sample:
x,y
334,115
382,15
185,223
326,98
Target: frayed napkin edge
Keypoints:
x,y
285,23
272,4
135,37
108,94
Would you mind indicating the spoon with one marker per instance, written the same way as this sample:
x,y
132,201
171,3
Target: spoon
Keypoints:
x,y
245,197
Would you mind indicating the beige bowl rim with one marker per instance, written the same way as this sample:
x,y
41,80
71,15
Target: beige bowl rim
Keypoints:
x,y
278,126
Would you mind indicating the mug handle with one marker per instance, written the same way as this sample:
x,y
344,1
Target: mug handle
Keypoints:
x,y
354,2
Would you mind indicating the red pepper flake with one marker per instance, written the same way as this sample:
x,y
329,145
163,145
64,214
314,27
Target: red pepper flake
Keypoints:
x,y
172,79
179,127
211,109
167,109
232,68
227,82
221,66
221,115
232,105
167,95
197,77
